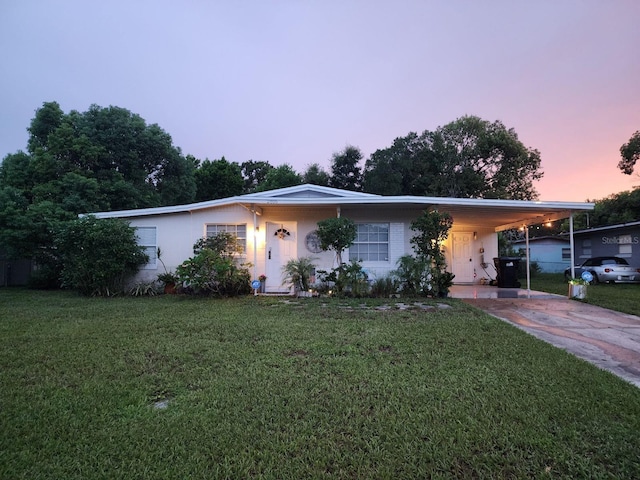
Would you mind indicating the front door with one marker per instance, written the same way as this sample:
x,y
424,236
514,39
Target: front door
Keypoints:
x,y
462,261
281,247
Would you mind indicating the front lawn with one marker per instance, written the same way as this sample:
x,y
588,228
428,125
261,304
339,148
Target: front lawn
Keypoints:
x,y
620,297
174,387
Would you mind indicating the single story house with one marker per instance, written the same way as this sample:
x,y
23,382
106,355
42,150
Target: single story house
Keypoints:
x,y
278,225
622,240
552,254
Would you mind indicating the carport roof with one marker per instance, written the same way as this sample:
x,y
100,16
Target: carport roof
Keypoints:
x,y
498,214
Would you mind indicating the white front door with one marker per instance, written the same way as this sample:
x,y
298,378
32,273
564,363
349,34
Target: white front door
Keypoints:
x,y
281,246
462,258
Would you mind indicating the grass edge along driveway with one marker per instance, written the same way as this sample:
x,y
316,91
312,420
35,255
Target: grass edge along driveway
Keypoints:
x,y
173,387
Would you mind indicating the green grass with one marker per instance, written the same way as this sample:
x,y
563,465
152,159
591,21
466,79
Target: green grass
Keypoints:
x,y
620,297
260,388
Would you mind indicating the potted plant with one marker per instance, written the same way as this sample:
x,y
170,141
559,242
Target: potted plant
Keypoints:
x,y
262,278
169,279
578,288
297,273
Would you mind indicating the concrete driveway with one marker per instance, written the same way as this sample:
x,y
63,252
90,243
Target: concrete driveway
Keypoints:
x,y
608,339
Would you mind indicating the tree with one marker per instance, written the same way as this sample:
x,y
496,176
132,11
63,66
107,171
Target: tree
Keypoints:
x,y
316,175
630,153
101,159
254,173
112,146
621,207
390,171
345,172
280,177
98,255
336,233
218,179
467,158
432,229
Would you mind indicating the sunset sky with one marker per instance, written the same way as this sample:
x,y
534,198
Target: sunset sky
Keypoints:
x,y
295,81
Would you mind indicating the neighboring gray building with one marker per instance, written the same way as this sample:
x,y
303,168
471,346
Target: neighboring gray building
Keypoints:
x,y
621,240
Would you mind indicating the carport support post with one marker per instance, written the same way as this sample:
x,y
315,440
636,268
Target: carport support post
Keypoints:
x,y
526,236
571,246
255,246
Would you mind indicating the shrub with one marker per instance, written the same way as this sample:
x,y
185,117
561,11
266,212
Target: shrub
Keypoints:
x,y
98,255
413,274
349,280
384,286
213,269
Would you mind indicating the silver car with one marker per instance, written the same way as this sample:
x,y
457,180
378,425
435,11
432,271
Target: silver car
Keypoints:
x,y
607,269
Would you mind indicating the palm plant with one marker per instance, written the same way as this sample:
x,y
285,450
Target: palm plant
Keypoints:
x,y
297,272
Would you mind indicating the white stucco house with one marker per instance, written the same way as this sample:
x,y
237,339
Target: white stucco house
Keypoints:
x,y
277,225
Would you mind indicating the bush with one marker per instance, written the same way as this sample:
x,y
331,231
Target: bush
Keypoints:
x,y
348,280
213,269
384,287
98,256
412,274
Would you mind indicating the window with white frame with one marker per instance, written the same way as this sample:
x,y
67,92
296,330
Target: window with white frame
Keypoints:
x,y
625,246
371,244
566,254
147,240
586,247
240,232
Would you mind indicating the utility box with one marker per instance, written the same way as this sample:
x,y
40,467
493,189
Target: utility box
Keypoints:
x,y
507,268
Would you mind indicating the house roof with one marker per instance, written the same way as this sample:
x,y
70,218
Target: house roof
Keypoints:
x,y
608,227
499,214
543,239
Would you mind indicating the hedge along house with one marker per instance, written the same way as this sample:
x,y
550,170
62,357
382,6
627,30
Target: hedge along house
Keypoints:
x,y
278,225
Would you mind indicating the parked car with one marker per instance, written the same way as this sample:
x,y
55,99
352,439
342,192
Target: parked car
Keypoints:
x,y
607,269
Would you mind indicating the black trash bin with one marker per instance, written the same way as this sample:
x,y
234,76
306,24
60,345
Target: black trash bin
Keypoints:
x,y
507,268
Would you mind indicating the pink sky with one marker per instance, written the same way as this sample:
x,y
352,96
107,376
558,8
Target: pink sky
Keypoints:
x,y
288,81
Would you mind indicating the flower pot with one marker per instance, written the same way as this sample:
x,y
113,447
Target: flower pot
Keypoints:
x,y
578,291
170,288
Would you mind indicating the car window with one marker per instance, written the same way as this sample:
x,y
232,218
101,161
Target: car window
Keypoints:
x,y
609,261
588,263
621,261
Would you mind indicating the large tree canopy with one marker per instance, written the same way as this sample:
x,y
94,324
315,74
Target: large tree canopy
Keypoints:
x,y
467,158
123,162
280,177
345,172
218,179
316,175
630,153
102,159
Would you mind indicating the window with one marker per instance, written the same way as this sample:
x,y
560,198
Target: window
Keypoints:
x,y
625,249
586,247
566,254
371,244
147,239
240,231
